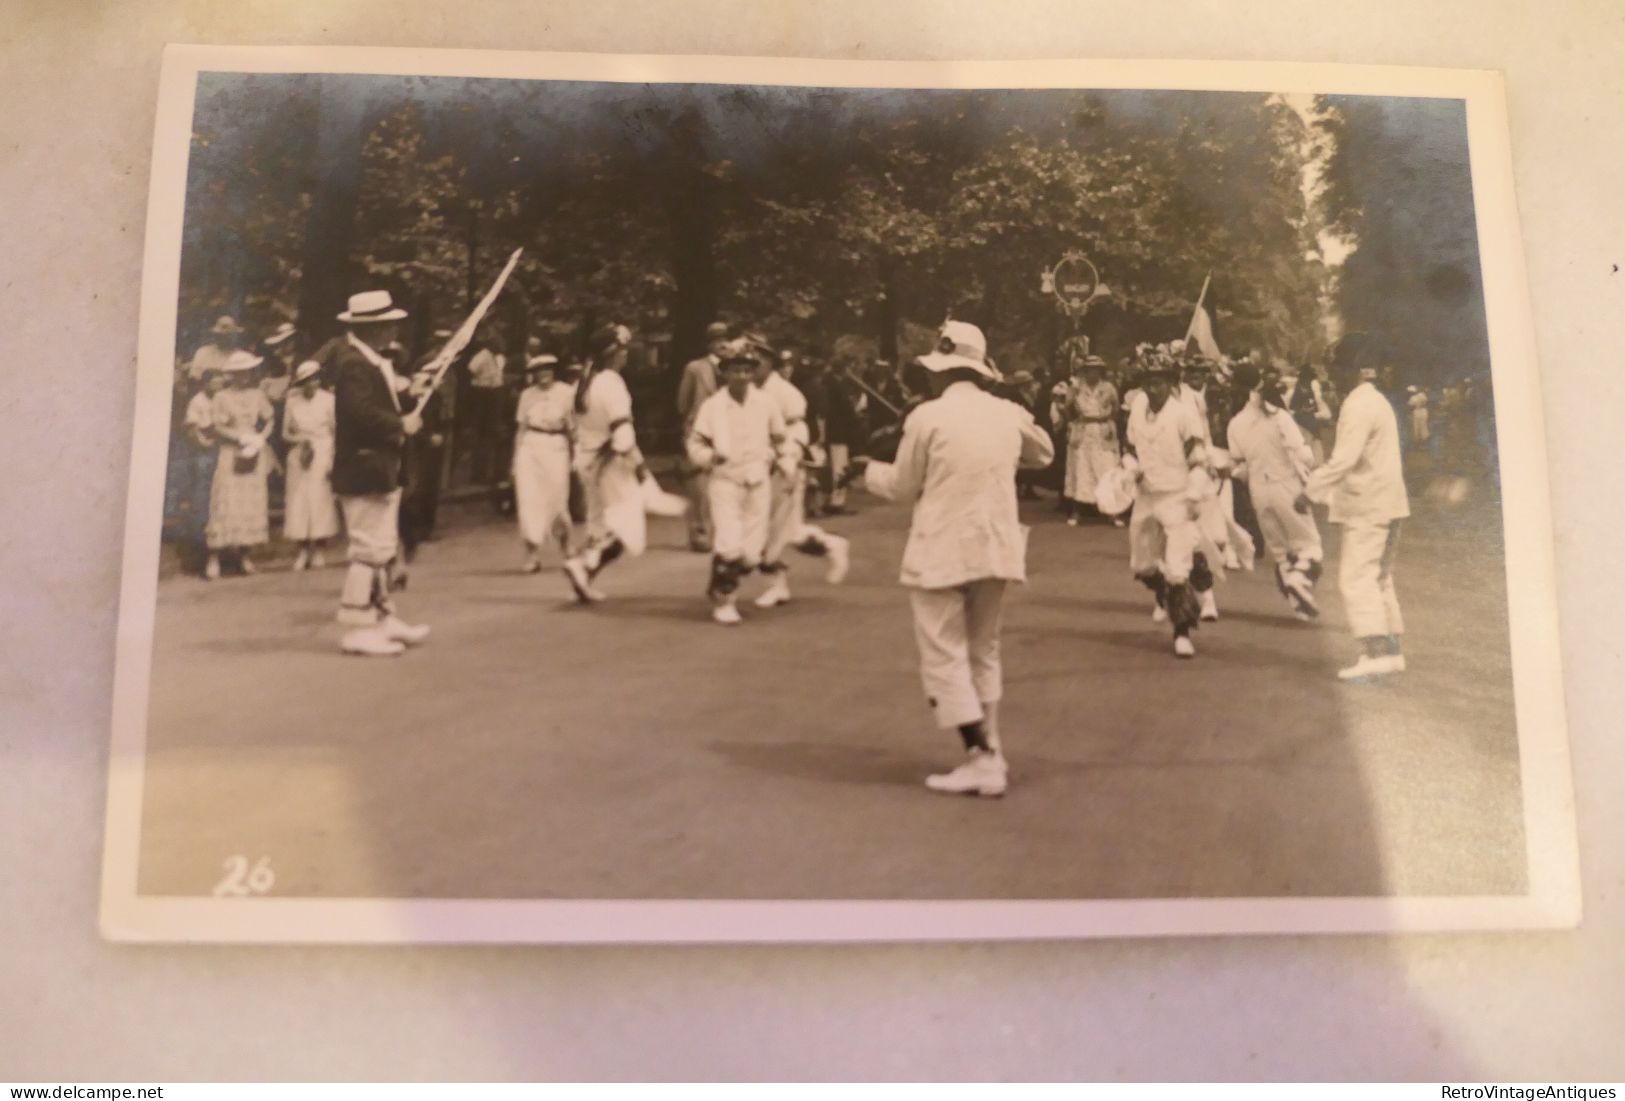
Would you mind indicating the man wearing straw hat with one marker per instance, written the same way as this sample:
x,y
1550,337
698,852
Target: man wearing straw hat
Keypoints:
x,y
372,427
956,465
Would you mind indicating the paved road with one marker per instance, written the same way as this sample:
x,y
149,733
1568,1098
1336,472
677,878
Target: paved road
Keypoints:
x,y
538,749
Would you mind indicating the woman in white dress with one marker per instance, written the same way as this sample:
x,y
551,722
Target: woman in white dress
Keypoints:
x,y
239,503
308,424
541,459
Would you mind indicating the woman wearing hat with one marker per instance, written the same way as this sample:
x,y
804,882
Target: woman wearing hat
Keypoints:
x,y
1090,414
541,459
309,422
956,466
213,353
239,506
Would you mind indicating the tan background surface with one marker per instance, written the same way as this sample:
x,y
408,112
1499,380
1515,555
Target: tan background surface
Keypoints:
x,y
77,85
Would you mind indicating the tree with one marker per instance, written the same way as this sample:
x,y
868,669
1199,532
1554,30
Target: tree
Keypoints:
x,y
1398,185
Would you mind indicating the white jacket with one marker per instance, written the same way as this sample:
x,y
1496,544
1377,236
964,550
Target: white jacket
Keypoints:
x,y
956,463
737,441
1364,479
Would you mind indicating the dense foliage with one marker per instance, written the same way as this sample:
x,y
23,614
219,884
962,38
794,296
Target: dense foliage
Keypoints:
x,y
852,219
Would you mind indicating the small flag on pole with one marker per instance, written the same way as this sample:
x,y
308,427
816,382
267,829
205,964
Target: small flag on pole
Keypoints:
x,y
1201,326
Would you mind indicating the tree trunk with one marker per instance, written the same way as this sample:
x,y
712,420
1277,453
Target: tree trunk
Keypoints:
x,y
691,213
328,273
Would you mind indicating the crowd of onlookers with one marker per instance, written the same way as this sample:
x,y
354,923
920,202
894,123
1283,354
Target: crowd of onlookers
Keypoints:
x,y
254,426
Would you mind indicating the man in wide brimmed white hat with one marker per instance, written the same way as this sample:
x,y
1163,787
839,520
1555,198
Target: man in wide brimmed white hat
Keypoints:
x,y
956,465
373,421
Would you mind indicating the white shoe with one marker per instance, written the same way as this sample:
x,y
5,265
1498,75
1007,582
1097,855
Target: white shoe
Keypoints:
x,y
1184,647
581,581
370,642
1231,562
533,564
984,774
1071,521
301,561
1302,616
247,566
317,560
776,594
398,630
1159,614
1368,667
727,614
1210,606
211,570
840,559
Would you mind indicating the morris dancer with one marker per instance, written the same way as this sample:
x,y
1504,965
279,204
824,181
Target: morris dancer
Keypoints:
x,y
1165,441
608,462
541,460
1273,459
1364,480
787,525
738,438
956,465
370,434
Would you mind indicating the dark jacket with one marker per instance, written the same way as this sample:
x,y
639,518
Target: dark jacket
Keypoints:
x,y
369,440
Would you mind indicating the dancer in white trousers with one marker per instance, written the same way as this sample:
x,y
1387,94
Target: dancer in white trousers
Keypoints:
x,y
956,465
787,524
1364,482
738,438
1165,444
1272,456
541,459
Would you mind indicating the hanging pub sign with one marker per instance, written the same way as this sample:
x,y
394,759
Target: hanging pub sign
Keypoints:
x,y
1074,282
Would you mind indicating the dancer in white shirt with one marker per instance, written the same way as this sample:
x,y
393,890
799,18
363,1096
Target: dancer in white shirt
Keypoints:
x,y
787,524
956,466
1364,482
738,438
1165,442
1272,456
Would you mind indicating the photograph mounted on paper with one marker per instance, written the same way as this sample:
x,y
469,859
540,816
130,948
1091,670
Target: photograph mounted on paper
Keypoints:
x,y
650,498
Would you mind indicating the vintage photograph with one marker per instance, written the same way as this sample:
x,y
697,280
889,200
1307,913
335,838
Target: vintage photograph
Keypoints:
x,y
651,499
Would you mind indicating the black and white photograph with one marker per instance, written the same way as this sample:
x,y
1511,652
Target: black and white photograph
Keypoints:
x,y
580,498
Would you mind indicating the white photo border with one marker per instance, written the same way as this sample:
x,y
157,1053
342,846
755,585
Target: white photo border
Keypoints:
x,y
1553,898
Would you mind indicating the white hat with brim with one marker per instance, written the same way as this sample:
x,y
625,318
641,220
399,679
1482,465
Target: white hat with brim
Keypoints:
x,y
241,361
306,371
281,333
542,363
371,306
959,344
